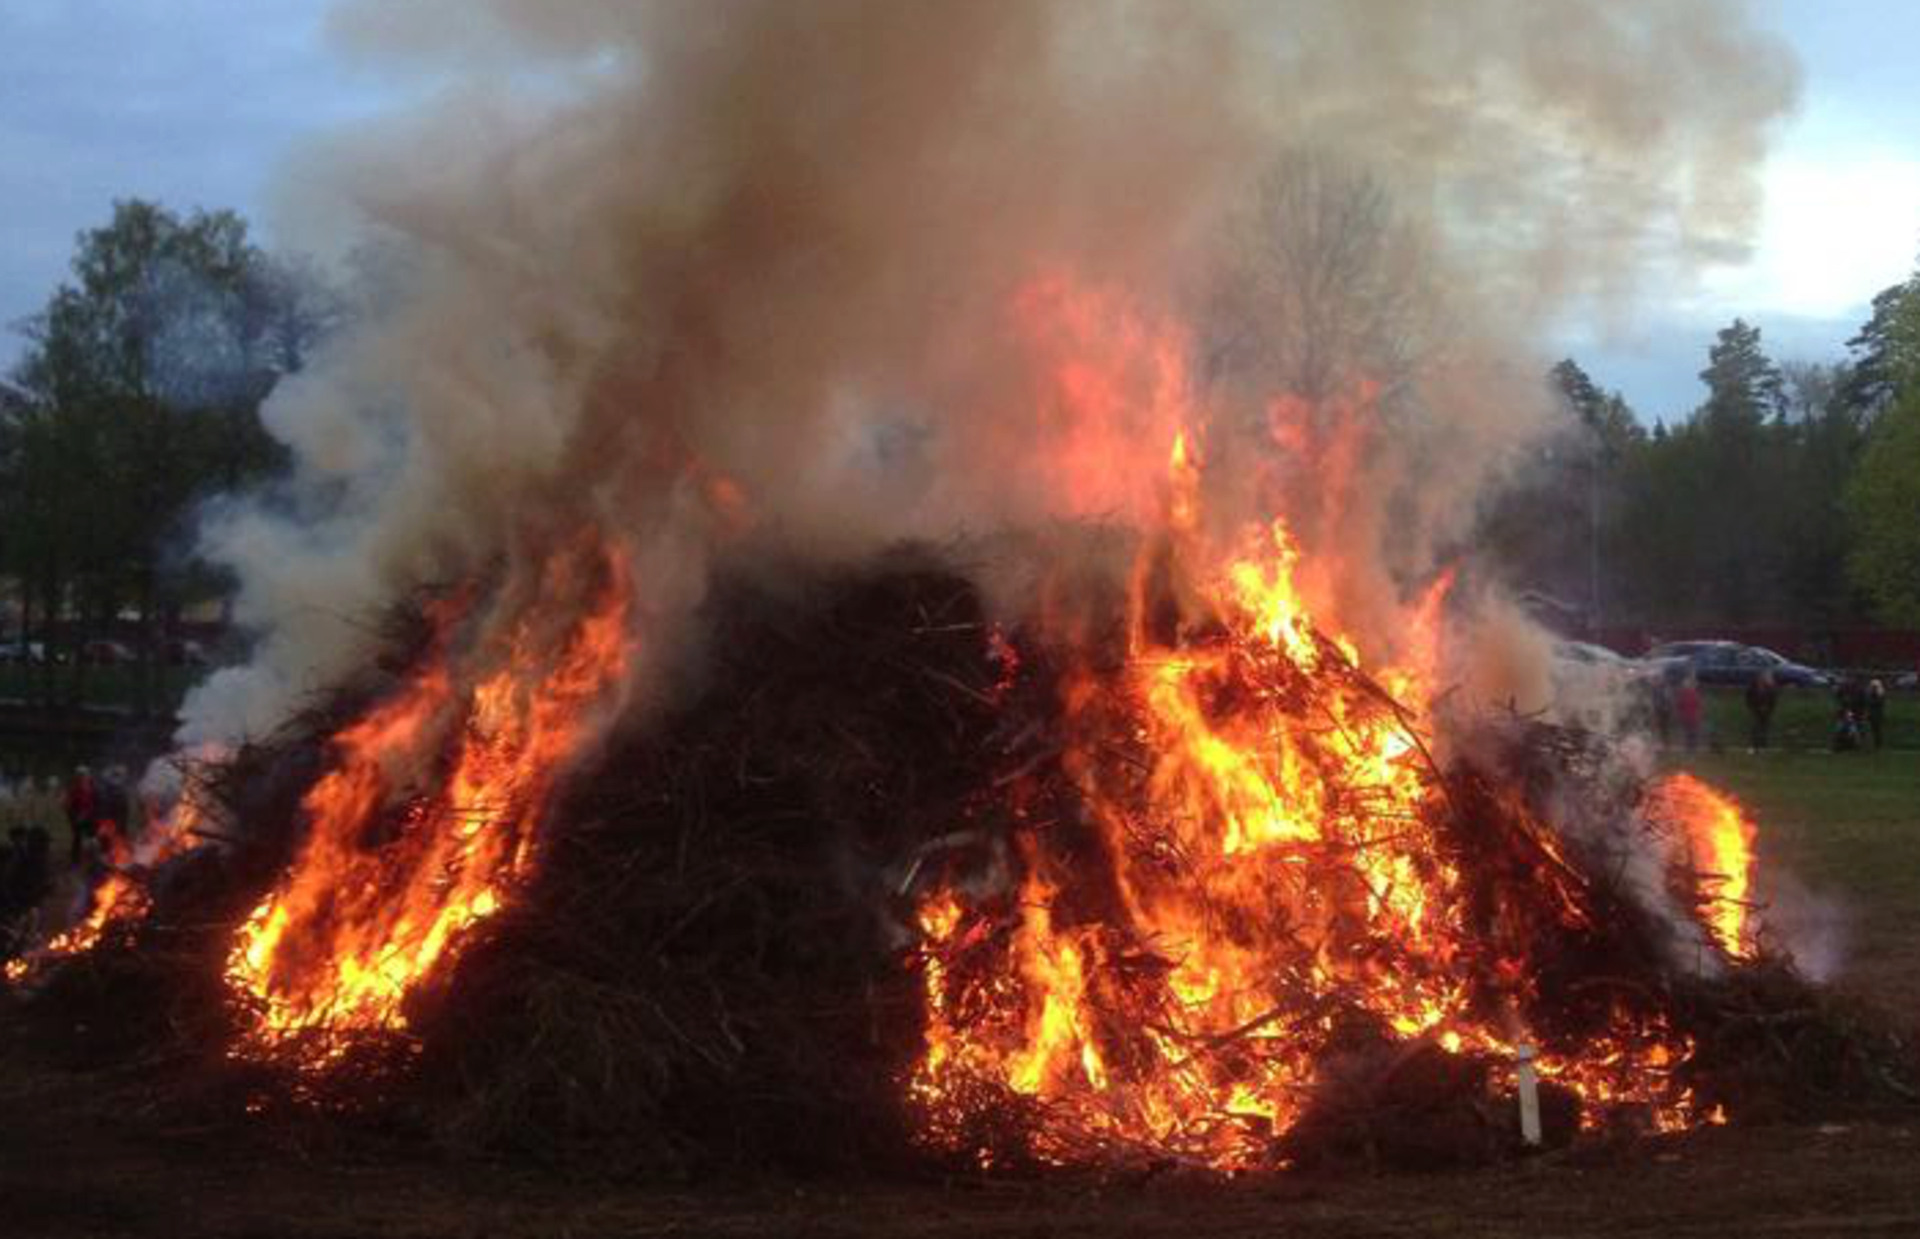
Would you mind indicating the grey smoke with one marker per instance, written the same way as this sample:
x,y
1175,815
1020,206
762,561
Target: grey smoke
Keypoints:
x,y
641,246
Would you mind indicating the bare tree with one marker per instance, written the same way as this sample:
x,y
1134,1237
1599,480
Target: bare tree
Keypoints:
x,y
1322,287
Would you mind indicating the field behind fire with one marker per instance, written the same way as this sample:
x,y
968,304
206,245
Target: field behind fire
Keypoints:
x,y
94,1153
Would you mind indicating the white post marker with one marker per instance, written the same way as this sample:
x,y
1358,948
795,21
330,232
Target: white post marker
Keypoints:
x,y
1529,1096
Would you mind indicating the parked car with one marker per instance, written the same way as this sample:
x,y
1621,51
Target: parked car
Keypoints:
x,y
22,652
105,653
1729,662
181,652
1910,680
1587,654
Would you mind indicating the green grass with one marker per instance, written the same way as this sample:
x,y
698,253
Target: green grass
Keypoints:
x,y
37,803
1851,820
1803,719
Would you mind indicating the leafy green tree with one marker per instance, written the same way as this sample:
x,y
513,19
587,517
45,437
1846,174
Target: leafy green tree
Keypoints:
x,y
1883,497
1818,449
142,388
1884,503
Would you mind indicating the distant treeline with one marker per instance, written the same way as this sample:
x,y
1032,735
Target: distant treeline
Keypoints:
x,y
1790,497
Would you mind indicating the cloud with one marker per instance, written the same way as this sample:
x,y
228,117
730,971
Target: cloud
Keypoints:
x,y
1839,225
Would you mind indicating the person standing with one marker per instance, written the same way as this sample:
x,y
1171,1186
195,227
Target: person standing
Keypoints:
x,y
1686,708
1763,694
110,799
13,869
1849,727
1877,713
83,811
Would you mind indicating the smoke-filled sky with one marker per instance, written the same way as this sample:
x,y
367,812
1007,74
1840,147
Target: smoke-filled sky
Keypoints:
x,y
209,102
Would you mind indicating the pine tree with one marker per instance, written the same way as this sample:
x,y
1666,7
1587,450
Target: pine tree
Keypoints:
x,y
1744,387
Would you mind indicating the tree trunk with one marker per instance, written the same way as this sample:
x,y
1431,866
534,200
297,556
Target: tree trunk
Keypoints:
x,y
27,672
49,643
149,653
78,635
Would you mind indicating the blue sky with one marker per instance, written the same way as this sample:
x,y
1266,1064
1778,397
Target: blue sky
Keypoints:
x,y
191,102
206,102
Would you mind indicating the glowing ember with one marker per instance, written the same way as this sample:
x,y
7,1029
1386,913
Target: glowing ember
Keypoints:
x,y
405,854
1717,838
120,899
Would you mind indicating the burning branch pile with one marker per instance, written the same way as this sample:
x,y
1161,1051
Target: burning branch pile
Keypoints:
x,y
332,952
1148,865
1164,871
1250,901
896,884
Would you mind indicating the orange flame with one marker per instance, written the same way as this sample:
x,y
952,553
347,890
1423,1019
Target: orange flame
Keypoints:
x,y
1273,861
121,898
1260,824
1716,838
389,881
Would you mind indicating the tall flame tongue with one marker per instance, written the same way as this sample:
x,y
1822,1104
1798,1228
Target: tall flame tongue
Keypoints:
x,y
1254,867
1713,841
1262,828
390,876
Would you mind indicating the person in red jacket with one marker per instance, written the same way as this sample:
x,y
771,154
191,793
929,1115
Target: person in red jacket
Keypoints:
x,y
1686,708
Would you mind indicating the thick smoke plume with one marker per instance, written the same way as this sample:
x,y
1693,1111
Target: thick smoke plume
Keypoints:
x,y
707,276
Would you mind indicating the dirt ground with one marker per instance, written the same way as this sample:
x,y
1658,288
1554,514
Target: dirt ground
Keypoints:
x,y
93,1155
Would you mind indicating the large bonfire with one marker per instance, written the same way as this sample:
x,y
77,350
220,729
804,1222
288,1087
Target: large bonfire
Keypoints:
x,y
1232,880
1263,873
1267,871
